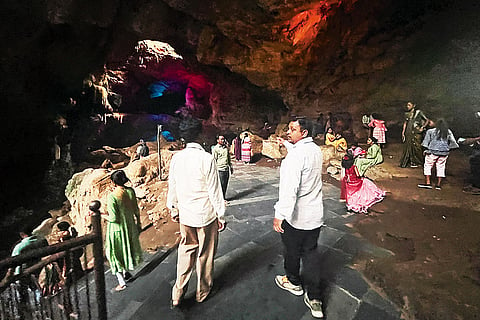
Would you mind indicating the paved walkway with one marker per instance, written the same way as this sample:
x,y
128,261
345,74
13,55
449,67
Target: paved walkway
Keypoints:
x,y
248,258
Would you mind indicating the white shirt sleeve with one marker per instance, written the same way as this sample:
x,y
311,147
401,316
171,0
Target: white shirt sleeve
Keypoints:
x,y
172,193
215,190
290,176
452,143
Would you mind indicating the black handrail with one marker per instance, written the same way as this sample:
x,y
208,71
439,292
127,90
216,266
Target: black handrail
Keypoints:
x,y
57,251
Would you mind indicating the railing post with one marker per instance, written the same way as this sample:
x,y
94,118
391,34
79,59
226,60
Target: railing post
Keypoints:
x,y
98,258
159,134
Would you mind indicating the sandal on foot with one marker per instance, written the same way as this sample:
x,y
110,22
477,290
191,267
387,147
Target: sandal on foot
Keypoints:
x,y
120,288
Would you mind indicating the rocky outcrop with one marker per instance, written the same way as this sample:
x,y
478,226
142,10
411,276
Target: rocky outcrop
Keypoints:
x,y
95,184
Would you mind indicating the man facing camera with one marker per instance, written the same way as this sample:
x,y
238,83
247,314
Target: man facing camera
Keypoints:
x,y
299,213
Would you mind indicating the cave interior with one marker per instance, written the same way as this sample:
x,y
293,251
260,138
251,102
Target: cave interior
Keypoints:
x,y
90,74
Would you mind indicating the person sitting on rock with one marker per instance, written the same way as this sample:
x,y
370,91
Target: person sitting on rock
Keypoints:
x,y
142,149
336,140
374,156
359,193
356,150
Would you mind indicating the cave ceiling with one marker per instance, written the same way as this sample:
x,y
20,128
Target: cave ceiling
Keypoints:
x,y
242,61
314,56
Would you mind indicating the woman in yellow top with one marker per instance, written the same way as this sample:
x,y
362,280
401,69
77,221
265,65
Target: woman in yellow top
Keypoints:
x,y
336,140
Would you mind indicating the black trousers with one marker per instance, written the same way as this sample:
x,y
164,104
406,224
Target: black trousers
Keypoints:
x,y
301,245
475,169
224,176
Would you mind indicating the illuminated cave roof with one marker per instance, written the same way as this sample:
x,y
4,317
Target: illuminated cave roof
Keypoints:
x,y
244,60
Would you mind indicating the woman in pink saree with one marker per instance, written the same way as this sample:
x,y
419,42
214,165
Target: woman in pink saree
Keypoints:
x,y
359,193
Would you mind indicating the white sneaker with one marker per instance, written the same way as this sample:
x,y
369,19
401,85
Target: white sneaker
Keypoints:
x,y
314,305
285,284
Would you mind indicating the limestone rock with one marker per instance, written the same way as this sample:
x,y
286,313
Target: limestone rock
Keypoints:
x,y
329,155
95,184
332,170
57,213
45,228
271,149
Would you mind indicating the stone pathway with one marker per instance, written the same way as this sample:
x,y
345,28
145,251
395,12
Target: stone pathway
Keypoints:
x,y
248,258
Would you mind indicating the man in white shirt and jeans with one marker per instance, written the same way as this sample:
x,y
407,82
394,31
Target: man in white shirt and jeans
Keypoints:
x,y
299,213
195,200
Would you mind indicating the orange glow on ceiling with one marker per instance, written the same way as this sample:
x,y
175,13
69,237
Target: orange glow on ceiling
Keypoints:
x,y
303,27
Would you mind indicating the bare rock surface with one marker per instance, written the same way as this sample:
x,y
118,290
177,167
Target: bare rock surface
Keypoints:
x,y
95,184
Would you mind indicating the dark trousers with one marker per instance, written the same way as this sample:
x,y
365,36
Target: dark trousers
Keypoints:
x,y
224,176
475,169
301,245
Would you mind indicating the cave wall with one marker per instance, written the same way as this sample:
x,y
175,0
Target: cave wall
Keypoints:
x,y
356,56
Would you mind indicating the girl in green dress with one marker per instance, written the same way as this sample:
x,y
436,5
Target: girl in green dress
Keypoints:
x,y
122,245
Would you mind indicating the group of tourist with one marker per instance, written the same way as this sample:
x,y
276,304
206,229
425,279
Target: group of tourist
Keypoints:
x,y
359,192
436,142
242,148
197,188
54,277
197,198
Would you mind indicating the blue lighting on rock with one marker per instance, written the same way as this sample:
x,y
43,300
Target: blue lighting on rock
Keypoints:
x,y
160,118
157,89
168,136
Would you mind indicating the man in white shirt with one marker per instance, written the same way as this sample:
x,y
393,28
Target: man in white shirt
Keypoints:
x,y
195,200
299,212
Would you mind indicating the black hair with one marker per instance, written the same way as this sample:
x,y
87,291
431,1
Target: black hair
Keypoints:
x,y
190,129
375,140
305,124
119,177
441,129
27,229
348,160
63,225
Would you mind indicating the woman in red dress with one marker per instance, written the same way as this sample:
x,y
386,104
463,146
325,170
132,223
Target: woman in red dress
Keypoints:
x,y
359,193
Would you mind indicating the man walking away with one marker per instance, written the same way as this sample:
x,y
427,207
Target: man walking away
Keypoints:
x,y
221,155
195,200
299,213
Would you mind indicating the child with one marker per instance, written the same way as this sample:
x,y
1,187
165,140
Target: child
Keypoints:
x,y
378,129
356,150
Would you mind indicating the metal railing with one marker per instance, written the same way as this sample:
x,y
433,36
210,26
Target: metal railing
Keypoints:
x,y
22,296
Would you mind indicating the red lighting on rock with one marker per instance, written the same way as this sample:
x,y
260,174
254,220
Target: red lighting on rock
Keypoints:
x,y
303,28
